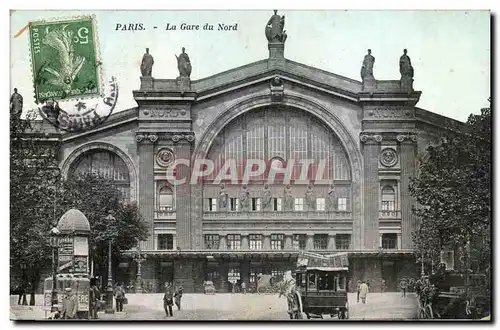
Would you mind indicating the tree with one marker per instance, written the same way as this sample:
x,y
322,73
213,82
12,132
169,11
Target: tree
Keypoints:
x,y
453,191
95,195
33,174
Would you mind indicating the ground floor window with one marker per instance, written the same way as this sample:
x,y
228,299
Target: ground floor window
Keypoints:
x,y
299,242
233,242
320,241
277,241
389,241
342,241
255,241
278,275
213,276
165,242
254,273
212,242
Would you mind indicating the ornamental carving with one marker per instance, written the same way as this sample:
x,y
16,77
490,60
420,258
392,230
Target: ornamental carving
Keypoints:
x,y
407,137
153,137
163,113
389,113
388,157
165,157
277,89
367,137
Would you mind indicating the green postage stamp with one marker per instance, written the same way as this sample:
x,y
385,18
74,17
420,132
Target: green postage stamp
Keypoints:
x,y
64,56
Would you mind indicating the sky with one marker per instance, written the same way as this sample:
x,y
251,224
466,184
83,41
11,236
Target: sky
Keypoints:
x,y
450,50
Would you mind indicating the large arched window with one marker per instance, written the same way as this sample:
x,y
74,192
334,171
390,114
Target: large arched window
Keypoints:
x,y
284,133
108,164
388,199
165,198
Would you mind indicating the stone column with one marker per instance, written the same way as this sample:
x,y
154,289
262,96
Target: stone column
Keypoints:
x,y
408,151
245,271
288,242
146,185
371,150
244,242
186,237
331,242
380,236
266,245
310,242
399,245
223,285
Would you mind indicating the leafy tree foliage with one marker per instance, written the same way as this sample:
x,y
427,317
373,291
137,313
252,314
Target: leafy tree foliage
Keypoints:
x,y
33,174
39,198
453,191
95,195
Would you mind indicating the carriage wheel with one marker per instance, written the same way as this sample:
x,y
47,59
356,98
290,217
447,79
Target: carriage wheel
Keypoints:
x,y
430,313
261,289
421,314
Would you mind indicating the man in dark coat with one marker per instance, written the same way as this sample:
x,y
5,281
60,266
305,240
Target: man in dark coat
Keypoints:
x,y
168,299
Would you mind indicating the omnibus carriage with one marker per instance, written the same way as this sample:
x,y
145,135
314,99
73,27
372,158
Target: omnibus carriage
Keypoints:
x,y
320,287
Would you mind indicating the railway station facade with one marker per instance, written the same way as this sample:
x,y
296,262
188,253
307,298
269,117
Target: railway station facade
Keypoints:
x,y
361,139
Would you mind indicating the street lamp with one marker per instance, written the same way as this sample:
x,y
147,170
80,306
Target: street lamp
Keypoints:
x,y
54,243
139,259
109,290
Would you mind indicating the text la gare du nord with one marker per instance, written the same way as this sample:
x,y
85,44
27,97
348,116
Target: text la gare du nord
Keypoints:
x,y
182,27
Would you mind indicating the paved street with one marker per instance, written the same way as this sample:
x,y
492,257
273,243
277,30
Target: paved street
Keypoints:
x,y
236,307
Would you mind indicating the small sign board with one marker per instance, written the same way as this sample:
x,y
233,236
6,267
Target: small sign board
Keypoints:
x,y
80,264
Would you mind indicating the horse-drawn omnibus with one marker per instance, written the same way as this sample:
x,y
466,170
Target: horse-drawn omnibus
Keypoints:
x,y
320,287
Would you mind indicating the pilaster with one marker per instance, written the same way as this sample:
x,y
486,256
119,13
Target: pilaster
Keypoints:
x,y
146,185
331,242
244,242
288,242
408,147
371,150
266,245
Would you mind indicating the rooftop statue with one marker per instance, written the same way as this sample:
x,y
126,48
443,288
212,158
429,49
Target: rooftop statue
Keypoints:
x,y
275,27
16,102
405,67
147,64
367,67
183,64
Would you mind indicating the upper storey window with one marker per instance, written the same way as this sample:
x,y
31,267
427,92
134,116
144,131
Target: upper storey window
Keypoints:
x,y
165,199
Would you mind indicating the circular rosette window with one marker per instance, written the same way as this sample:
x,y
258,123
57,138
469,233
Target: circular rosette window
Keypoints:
x,y
388,157
165,157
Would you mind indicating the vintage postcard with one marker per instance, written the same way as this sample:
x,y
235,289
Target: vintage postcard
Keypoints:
x,y
250,165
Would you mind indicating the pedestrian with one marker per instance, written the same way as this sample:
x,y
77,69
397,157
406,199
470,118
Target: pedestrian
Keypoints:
x,y
168,300
358,288
403,286
363,291
178,296
383,286
244,287
69,305
119,297
94,296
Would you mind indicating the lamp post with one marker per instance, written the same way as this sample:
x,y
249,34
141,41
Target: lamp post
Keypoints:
x,y
139,259
54,243
24,282
109,290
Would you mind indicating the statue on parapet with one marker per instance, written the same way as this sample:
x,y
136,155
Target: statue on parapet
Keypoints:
x,y
275,28
367,67
184,64
405,67
16,103
147,64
